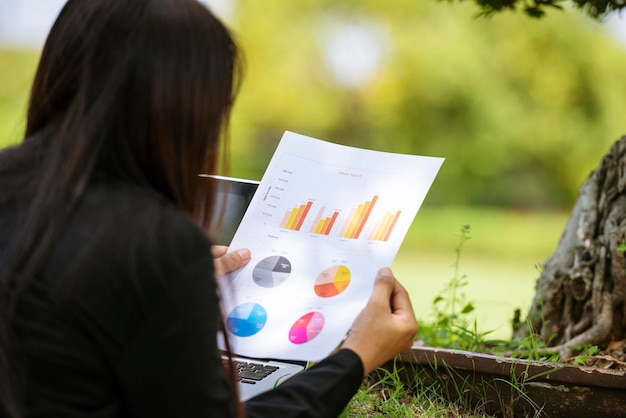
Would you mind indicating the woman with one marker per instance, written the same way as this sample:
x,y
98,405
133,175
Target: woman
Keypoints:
x,y
108,303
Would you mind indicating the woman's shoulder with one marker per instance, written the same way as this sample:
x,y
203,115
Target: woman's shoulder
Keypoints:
x,y
129,248
133,231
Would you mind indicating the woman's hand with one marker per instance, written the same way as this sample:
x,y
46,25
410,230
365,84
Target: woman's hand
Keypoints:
x,y
226,262
386,326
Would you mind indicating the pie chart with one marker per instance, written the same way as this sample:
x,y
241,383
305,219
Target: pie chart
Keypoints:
x,y
306,328
332,281
271,271
246,319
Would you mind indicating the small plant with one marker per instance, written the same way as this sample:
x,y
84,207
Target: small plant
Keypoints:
x,y
399,391
586,353
530,347
518,398
451,324
384,394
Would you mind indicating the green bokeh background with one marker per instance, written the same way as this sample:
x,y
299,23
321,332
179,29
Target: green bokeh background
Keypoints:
x,y
521,109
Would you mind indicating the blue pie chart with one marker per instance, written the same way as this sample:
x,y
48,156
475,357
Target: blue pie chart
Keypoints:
x,y
246,319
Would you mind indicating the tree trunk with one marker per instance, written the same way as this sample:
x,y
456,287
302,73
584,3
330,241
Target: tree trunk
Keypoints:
x,y
581,293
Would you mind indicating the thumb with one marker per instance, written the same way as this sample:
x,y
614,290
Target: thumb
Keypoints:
x,y
230,262
383,286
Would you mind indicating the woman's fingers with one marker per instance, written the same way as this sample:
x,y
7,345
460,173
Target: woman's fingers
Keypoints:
x,y
218,250
383,287
227,262
386,326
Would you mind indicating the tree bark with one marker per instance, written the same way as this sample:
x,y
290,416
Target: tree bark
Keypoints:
x,y
580,294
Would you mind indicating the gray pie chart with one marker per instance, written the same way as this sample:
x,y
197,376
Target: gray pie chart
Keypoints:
x,y
271,271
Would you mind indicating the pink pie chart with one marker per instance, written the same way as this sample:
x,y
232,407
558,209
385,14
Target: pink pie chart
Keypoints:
x,y
306,328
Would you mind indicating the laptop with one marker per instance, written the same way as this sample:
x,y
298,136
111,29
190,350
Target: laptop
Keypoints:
x,y
255,375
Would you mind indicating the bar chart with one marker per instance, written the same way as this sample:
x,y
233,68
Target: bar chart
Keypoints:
x,y
315,218
384,226
323,225
357,218
294,218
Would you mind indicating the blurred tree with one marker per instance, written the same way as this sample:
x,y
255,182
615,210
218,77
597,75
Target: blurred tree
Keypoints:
x,y
537,8
521,109
580,298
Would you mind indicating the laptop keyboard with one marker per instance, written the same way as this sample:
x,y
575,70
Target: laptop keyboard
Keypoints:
x,y
251,373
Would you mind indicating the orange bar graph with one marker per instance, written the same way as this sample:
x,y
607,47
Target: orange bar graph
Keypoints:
x,y
356,222
319,227
294,218
323,226
290,216
368,211
316,221
352,226
303,215
385,226
393,223
346,224
285,219
330,222
382,227
353,222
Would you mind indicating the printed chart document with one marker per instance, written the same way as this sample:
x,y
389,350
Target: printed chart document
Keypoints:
x,y
325,218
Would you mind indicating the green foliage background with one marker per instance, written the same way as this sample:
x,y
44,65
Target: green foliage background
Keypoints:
x,y
522,109
17,69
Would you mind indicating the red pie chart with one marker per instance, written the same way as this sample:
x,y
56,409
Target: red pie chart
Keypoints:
x,y
332,281
306,328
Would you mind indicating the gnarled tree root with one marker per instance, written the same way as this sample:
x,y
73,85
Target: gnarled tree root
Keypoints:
x,y
581,293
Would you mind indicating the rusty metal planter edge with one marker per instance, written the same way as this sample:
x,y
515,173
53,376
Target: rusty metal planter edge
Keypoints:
x,y
510,387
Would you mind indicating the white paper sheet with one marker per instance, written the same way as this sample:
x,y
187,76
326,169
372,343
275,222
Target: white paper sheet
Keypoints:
x,y
323,221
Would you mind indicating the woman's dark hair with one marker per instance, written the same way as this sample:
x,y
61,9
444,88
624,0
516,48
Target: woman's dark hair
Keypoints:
x,y
61,65
135,89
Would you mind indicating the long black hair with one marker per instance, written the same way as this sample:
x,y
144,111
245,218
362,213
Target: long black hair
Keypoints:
x,y
136,89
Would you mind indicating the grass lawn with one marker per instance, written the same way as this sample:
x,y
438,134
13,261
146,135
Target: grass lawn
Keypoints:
x,y
499,261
